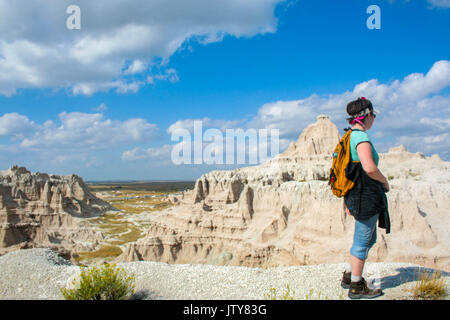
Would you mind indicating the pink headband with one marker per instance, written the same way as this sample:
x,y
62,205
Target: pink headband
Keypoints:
x,y
358,119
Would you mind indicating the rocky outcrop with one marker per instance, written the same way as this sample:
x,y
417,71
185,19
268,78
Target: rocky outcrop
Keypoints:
x,y
42,210
282,212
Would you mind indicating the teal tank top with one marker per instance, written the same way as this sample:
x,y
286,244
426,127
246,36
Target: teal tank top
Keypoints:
x,y
356,138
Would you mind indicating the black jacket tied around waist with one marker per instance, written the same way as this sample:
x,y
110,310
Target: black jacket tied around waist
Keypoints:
x,y
367,198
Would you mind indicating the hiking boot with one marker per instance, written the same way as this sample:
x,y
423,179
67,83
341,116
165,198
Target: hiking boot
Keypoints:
x,y
360,290
346,280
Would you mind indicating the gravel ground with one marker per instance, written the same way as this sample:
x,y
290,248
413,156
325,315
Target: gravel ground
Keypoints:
x,y
39,273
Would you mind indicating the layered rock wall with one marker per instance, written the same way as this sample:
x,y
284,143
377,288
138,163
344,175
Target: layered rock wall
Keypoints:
x,y
282,212
42,210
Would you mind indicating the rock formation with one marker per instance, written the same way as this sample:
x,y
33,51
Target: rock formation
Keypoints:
x,y
42,210
282,212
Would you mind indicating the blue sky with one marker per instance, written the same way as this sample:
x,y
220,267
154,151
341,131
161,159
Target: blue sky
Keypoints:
x,y
102,101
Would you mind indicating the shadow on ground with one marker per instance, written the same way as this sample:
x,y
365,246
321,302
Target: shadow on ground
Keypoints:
x,y
407,274
145,295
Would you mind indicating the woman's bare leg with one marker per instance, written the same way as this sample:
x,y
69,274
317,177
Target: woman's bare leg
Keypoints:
x,y
357,266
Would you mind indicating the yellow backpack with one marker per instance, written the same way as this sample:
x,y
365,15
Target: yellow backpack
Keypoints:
x,y
339,183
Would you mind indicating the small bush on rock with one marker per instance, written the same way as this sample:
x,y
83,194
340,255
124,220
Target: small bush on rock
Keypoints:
x,y
106,282
431,286
273,294
289,295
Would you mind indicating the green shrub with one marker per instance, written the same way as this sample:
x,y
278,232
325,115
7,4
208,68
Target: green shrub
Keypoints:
x,y
289,295
430,286
272,295
106,282
311,295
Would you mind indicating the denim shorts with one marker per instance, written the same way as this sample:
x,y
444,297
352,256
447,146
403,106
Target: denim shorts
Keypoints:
x,y
364,237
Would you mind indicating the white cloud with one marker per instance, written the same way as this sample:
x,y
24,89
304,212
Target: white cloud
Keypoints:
x,y
442,124
84,131
410,108
75,141
188,124
427,144
417,85
136,67
412,111
439,3
284,115
436,139
170,74
15,125
101,107
160,153
433,3
415,112
119,41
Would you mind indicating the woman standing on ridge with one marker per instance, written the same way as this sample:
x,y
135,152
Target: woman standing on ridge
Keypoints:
x,y
366,202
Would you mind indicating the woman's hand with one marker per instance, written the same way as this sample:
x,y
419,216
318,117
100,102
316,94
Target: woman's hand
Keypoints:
x,y
346,209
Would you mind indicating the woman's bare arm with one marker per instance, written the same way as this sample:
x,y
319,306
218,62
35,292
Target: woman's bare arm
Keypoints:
x,y
364,150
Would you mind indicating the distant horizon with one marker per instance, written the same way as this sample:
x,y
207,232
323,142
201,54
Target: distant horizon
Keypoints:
x,y
137,181
133,181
